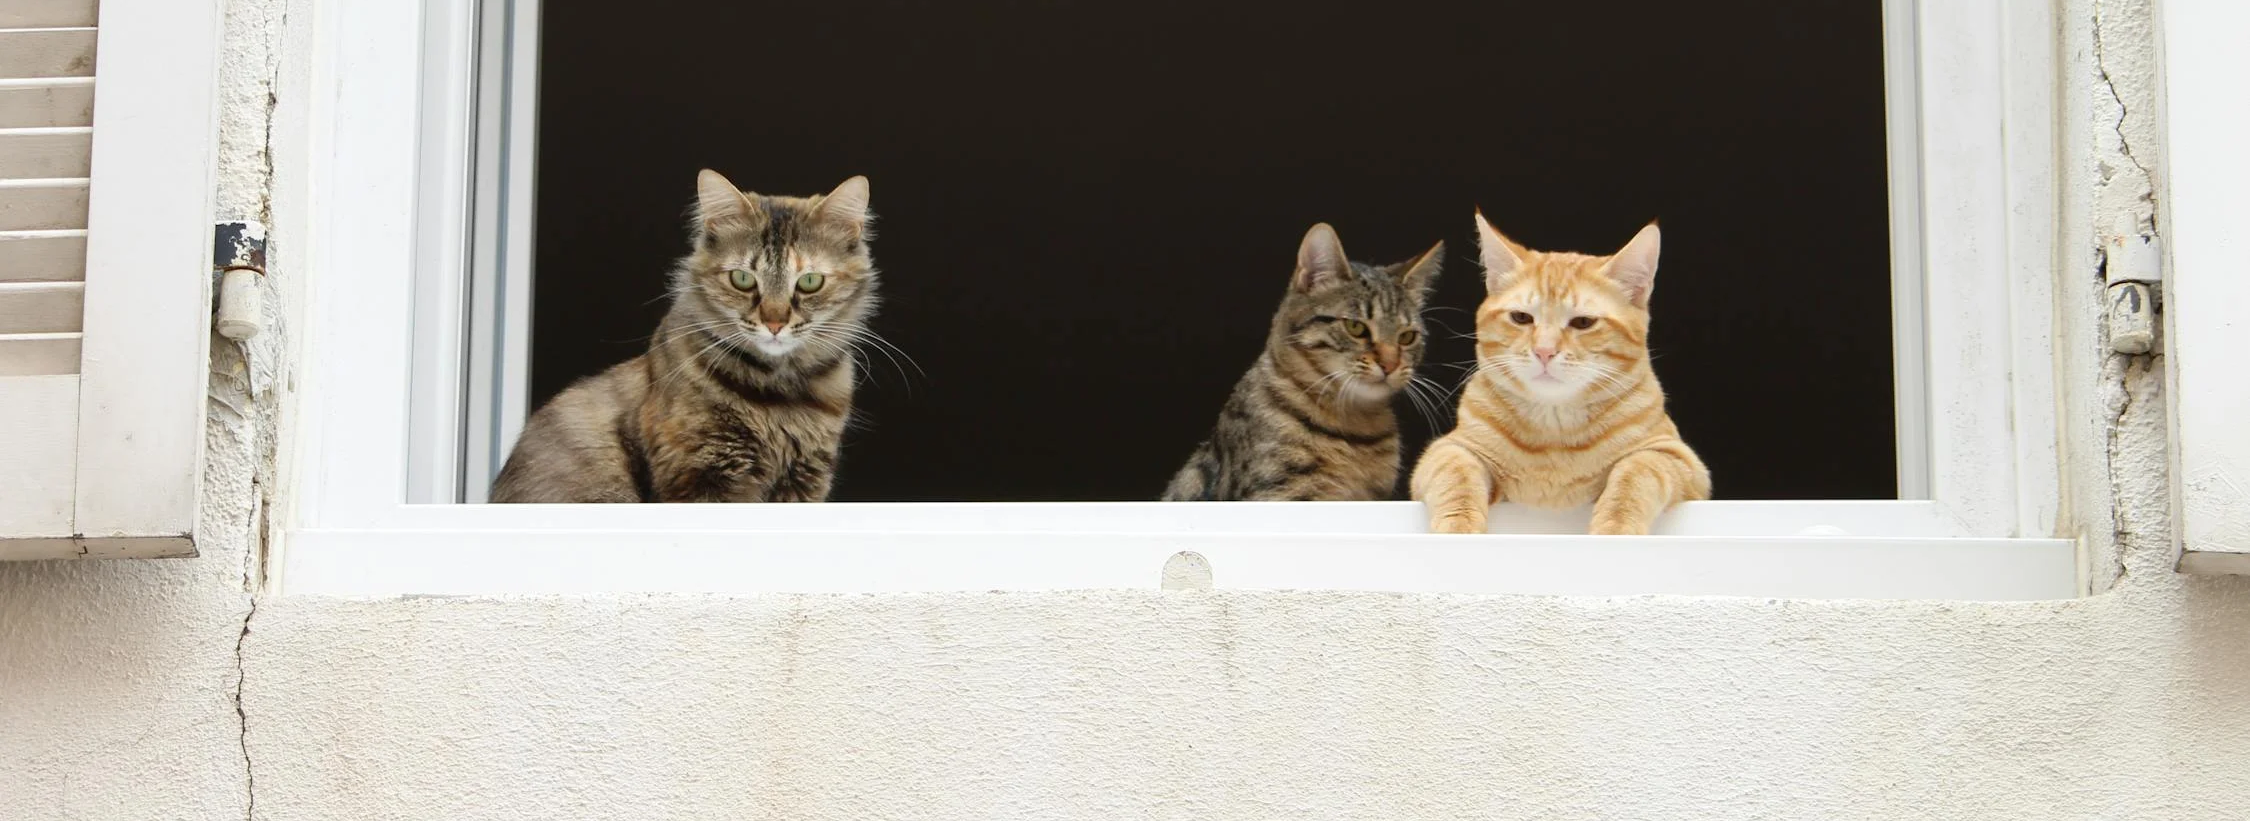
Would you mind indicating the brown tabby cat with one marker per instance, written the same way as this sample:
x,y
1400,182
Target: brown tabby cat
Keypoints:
x,y
1563,408
744,391
1312,418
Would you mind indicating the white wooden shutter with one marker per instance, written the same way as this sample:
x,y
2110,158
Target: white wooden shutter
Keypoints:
x,y
107,133
2206,216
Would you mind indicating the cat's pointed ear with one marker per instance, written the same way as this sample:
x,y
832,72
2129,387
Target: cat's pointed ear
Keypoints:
x,y
717,201
1501,256
1320,260
1419,272
1634,266
847,205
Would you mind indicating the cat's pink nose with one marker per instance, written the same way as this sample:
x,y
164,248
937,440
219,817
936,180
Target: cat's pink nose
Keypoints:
x,y
775,325
1544,354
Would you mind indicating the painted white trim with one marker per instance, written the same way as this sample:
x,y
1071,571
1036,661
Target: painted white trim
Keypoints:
x,y
2206,205
353,521
442,240
507,165
1895,519
388,563
2030,57
355,351
472,374
1971,108
1966,289
1902,117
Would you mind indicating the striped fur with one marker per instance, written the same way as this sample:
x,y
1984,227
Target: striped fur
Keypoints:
x,y
1312,418
1585,425
747,384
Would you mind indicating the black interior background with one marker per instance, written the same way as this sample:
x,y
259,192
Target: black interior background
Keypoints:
x,y
1088,210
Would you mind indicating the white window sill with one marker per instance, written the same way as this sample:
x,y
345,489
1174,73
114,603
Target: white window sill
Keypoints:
x,y
1821,550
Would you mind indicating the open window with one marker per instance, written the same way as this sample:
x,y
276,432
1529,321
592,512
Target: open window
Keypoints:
x,y
1088,211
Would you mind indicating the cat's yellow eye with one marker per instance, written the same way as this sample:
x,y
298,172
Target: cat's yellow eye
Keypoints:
x,y
810,282
1409,336
742,279
1356,328
1519,317
1582,322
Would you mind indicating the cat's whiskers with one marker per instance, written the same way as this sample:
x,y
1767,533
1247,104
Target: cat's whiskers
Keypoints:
x,y
1422,405
862,333
671,293
852,338
1611,379
828,346
681,369
693,328
1318,389
1479,365
1429,383
1329,390
1450,331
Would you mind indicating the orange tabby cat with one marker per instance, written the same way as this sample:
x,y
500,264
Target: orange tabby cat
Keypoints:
x,y
1562,408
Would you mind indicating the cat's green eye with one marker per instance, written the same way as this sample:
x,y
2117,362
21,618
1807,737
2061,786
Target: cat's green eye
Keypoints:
x,y
1409,337
810,282
1356,328
1519,317
1582,322
743,280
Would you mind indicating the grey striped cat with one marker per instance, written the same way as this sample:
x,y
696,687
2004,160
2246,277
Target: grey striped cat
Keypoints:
x,y
1312,420
746,386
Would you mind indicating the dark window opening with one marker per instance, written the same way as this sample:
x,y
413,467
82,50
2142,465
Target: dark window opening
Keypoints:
x,y
1088,211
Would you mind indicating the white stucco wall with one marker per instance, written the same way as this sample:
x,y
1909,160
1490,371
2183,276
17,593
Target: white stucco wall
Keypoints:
x,y
118,680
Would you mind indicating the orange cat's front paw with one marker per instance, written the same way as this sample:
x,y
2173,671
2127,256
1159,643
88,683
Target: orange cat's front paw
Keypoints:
x,y
1457,523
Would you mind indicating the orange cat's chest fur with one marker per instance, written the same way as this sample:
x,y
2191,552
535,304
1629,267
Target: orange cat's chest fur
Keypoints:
x,y
1556,455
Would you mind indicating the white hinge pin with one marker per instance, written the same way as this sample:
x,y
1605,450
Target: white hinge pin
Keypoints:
x,y
2133,265
239,257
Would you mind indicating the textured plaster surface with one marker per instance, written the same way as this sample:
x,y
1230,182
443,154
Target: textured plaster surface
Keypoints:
x,y
119,681
1189,704
2110,170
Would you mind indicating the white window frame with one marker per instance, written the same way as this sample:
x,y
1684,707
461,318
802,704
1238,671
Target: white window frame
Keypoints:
x,y
1971,119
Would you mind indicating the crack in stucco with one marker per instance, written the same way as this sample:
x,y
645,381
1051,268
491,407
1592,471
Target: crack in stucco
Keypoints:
x,y
2120,534
2146,223
242,716
280,29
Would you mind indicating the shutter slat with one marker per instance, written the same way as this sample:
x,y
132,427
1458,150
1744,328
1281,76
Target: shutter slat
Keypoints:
x,y
42,205
42,307
46,152
38,354
43,256
47,52
45,103
29,14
